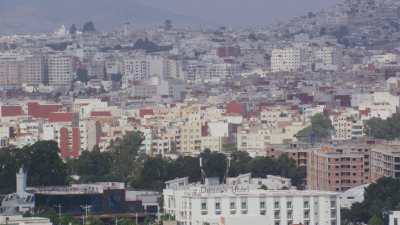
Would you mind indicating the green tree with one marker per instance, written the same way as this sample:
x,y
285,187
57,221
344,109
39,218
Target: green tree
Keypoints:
x,y
126,221
321,127
73,30
44,166
89,27
92,220
381,196
68,220
125,154
168,24
8,169
384,129
93,166
375,220
82,75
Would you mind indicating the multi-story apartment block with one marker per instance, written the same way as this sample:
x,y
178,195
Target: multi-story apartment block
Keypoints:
x,y
338,168
33,69
347,126
239,202
328,58
385,161
135,69
297,152
59,70
10,71
288,60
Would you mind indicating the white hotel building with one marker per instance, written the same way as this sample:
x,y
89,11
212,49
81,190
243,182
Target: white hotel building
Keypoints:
x,y
242,202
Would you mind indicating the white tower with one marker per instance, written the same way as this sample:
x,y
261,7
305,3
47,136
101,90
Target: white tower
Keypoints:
x,y
21,181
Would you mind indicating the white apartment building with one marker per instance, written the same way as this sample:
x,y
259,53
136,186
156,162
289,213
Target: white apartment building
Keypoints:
x,y
394,217
384,58
288,59
241,203
59,70
328,58
347,126
223,71
164,67
32,69
10,69
135,69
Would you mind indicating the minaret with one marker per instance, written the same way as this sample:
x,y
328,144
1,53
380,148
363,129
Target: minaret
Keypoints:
x,y
21,181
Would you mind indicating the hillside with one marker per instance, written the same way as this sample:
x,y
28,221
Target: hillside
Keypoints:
x,y
352,22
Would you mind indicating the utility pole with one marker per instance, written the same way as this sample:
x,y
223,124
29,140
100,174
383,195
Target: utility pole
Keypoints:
x,y
59,206
85,216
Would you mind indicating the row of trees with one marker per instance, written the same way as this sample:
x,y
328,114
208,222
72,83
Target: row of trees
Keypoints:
x,y
151,173
388,129
125,163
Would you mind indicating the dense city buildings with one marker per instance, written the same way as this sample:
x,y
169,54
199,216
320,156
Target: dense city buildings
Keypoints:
x,y
320,93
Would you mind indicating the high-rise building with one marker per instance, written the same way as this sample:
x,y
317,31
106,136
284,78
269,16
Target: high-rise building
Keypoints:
x,y
59,70
32,69
135,69
10,74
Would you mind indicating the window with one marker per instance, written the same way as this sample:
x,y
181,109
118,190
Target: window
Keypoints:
x,y
333,203
333,222
276,205
306,204
289,204
395,222
218,205
262,204
232,205
204,205
290,214
306,214
333,213
277,222
244,203
263,212
277,214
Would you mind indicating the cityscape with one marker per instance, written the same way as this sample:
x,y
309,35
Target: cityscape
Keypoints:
x,y
170,119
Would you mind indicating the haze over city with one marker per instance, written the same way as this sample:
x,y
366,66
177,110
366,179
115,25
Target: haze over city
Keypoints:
x,y
199,112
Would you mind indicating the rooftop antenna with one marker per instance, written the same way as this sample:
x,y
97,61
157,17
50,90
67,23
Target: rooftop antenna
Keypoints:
x,y
203,174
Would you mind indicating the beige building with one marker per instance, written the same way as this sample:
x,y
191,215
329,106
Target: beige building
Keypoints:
x,y
59,70
385,161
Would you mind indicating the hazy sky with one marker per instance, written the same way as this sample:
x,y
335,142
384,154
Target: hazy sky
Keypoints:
x,y
241,12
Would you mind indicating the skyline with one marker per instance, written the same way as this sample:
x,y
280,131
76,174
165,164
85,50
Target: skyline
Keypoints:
x,y
18,16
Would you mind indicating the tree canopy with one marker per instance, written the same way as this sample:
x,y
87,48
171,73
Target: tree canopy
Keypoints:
x,y
379,198
320,129
42,162
89,27
388,129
